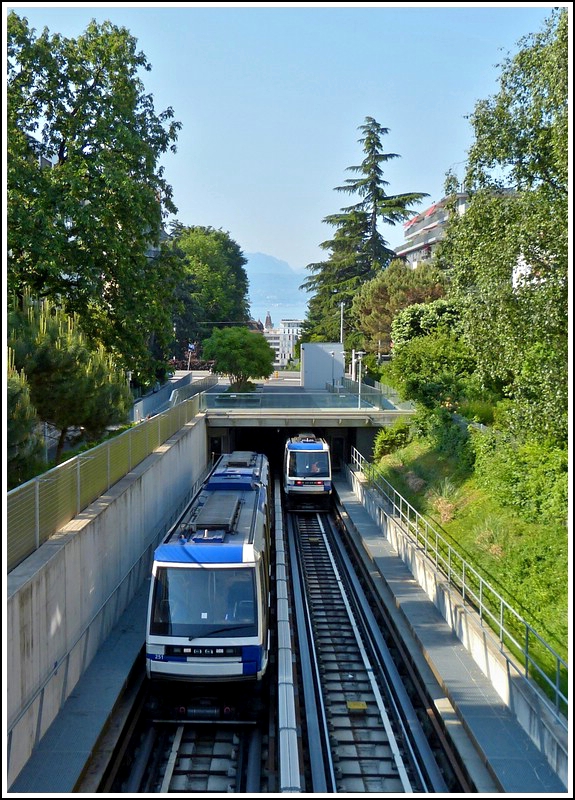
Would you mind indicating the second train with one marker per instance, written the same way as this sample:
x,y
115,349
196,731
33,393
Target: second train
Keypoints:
x,y
307,473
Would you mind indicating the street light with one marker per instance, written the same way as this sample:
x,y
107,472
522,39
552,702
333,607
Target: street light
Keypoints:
x,y
360,354
340,378
332,354
341,325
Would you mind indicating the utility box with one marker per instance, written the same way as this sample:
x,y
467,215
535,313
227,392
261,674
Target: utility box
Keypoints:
x,y
322,363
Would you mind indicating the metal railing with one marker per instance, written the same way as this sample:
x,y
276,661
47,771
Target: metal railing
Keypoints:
x,y
537,659
374,393
43,505
388,392
345,398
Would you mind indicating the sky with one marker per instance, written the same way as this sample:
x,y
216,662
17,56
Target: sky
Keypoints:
x,y
271,97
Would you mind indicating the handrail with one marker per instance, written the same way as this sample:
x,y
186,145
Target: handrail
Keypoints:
x,y
43,505
512,630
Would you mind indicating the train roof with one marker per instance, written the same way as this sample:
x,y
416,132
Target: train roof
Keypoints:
x,y
306,441
241,469
220,525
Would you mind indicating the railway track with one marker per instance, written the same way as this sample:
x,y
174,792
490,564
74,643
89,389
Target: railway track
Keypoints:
x,y
189,749
363,732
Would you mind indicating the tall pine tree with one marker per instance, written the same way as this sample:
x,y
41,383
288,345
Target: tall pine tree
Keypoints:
x,y
358,251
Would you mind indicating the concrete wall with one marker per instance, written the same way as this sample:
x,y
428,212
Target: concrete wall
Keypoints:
x,y
64,600
365,440
528,705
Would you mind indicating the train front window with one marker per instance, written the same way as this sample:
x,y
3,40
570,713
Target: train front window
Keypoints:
x,y
309,464
198,602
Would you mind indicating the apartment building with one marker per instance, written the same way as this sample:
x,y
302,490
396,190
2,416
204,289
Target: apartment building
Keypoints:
x,y
423,232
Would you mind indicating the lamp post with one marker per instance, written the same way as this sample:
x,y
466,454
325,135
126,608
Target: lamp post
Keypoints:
x,y
360,354
341,325
340,378
332,354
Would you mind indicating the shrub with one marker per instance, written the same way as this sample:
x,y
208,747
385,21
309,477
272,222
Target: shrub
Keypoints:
x,y
391,438
444,499
445,435
529,477
477,411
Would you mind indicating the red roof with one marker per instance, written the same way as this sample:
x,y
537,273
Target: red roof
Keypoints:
x,y
411,221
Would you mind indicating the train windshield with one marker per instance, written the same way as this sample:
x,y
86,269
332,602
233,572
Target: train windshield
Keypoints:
x,y
200,602
308,464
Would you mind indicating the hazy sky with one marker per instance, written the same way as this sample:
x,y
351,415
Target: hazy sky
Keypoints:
x,y
271,97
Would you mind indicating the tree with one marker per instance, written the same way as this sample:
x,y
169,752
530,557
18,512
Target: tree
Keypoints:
x,y
521,133
214,286
71,385
240,353
358,250
378,301
433,370
421,319
509,252
85,194
375,203
23,444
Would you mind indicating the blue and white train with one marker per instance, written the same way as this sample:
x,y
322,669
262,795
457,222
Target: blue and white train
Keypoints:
x,y
307,481
208,611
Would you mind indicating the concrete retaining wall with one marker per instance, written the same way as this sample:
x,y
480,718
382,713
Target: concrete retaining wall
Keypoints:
x,y
521,696
64,599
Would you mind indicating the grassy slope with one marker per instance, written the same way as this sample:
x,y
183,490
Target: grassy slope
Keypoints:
x,y
526,563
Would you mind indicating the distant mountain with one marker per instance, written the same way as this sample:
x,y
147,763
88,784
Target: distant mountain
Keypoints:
x,y
274,288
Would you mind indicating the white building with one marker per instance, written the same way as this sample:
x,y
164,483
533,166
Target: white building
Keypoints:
x,y
322,363
283,339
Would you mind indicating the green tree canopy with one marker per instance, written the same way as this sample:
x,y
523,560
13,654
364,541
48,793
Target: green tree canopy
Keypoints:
x,y
375,203
23,443
85,192
71,384
521,133
214,287
421,319
379,300
240,353
433,370
509,252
